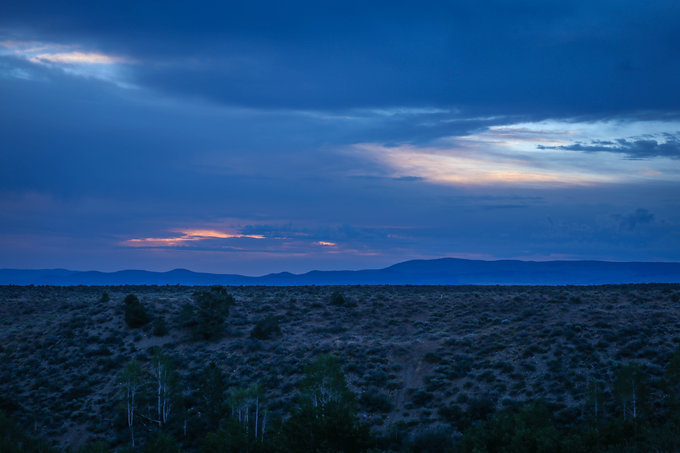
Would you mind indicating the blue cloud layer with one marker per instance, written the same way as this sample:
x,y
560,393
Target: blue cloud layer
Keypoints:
x,y
256,118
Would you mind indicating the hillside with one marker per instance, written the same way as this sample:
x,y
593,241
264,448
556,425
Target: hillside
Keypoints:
x,y
417,357
444,271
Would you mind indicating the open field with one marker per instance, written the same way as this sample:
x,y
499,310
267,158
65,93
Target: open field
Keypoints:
x,y
417,357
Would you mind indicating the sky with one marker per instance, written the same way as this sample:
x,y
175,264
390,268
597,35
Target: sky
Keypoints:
x,y
257,137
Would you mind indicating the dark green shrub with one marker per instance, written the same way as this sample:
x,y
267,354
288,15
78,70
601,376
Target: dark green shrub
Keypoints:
x,y
421,398
135,313
13,439
105,297
529,429
480,408
160,327
161,443
433,441
94,447
207,315
266,329
432,357
452,413
374,401
337,298
232,438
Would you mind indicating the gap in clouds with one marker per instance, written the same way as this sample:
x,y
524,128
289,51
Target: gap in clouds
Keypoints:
x,y
543,154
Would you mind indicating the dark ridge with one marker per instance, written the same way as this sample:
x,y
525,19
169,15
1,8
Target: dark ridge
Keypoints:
x,y
444,271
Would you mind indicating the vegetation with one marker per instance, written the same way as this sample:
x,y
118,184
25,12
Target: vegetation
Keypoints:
x,y
266,329
337,298
407,369
135,313
206,316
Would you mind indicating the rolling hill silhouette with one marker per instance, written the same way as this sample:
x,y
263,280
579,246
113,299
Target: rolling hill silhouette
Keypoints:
x,y
444,271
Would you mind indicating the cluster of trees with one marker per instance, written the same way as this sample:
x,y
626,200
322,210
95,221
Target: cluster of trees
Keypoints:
x,y
215,418
163,414
158,384
206,316
637,413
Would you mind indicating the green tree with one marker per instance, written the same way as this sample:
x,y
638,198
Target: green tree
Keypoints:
x,y
161,443
631,389
231,438
529,430
212,395
594,400
325,419
131,381
98,446
671,381
246,408
13,439
166,381
135,313
210,310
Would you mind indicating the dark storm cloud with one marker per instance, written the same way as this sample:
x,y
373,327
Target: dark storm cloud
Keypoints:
x,y
633,148
514,57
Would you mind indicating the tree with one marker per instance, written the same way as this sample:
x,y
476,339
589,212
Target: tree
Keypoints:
x,y
337,298
266,329
324,382
211,388
528,429
671,379
210,310
160,328
594,398
131,381
13,439
630,388
165,379
135,313
245,406
231,438
161,443
325,419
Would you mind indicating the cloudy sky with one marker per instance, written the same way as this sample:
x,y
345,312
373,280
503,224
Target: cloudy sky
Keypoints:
x,y
254,137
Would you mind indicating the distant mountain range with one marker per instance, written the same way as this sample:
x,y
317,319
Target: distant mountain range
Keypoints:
x,y
445,271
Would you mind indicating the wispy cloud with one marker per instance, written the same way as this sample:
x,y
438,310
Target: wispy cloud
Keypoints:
x,y
668,146
527,155
76,57
458,166
71,59
46,52
185,237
